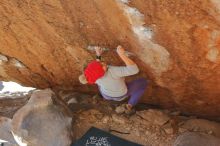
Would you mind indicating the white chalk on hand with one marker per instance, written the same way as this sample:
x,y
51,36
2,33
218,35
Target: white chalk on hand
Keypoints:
x,y
92,48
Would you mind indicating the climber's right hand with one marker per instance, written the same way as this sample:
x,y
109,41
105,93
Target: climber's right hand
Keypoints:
x,y
120,50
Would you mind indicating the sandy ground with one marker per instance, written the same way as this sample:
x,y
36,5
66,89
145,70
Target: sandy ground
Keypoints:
x,y
149,126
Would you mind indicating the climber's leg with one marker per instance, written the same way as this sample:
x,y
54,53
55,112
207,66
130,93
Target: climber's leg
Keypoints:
x,y
136,89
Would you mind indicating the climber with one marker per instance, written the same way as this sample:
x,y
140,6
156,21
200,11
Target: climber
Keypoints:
x,y
111,81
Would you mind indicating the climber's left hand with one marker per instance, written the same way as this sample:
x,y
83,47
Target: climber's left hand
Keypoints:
x,y
98,51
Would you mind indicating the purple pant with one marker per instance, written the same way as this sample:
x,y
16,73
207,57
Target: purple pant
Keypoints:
x,y
136,89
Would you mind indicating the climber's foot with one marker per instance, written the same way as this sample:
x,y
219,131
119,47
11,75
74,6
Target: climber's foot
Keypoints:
x,y
129,109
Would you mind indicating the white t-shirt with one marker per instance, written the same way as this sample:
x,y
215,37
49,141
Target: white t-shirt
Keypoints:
x,y
113,82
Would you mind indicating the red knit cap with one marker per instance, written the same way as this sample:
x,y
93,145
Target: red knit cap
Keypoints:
x,y
93,72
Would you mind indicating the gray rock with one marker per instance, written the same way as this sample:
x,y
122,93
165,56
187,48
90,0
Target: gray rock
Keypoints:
x,y
5,132
196,139
202,125
40,123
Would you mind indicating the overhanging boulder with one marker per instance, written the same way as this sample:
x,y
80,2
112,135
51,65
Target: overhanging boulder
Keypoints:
x,y
176,45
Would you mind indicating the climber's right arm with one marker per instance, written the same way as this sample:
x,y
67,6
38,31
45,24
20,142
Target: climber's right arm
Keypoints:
x,y
131,67
126,59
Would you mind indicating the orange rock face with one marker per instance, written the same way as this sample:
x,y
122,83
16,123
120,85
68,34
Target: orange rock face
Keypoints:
x,y
176,43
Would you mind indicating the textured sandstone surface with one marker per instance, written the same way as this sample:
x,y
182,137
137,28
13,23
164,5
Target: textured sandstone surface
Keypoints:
x,y
176,43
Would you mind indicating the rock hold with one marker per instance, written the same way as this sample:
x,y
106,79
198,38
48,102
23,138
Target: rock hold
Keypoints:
x,y
17,63
3,58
